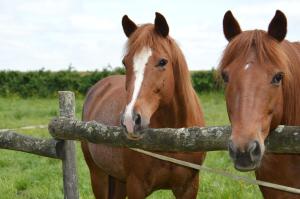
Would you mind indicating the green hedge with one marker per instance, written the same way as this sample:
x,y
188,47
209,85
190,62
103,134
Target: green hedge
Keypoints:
x,y
46,84
206,81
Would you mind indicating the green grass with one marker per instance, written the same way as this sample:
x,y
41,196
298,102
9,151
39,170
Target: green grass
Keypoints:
x,y
26,176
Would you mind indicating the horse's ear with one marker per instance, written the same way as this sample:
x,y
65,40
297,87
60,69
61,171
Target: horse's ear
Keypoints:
x,y
160,24
231,27
128,26
278,26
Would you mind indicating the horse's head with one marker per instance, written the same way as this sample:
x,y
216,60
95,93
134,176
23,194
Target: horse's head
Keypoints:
x,y
149,72
254,69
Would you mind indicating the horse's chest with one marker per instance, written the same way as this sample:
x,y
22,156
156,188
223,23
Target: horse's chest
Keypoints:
x,y
109,159
158,174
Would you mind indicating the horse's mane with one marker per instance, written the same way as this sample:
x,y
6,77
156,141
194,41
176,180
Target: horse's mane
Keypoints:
x,y
269,53
145,35
291,86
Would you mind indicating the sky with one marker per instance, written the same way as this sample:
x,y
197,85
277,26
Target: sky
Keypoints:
x,y
87,35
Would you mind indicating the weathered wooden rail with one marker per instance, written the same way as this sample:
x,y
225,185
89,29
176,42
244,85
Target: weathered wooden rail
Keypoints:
x,y
284,139
44,147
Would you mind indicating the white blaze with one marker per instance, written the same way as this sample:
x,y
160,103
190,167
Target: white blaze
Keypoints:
x,y
139,64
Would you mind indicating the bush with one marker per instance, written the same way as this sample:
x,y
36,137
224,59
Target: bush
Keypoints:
x,y
206,81
46,84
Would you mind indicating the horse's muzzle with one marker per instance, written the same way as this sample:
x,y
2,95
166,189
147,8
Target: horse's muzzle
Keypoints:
x,y
133,125
248,159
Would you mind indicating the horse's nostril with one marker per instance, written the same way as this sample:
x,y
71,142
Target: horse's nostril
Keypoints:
x,y
231,149
254,150
122,120
137,119
252,146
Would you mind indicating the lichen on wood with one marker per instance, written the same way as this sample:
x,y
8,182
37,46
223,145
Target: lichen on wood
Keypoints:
x,y
43,147
287,140
68,150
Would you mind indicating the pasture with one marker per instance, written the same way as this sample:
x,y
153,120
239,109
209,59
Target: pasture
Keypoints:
x,y
29,176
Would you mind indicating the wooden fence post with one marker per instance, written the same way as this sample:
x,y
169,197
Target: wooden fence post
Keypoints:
x,y
67,109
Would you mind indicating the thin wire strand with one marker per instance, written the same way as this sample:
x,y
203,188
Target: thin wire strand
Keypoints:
x,y
26,128
219,172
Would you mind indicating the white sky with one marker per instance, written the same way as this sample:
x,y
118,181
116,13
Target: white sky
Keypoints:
x,y
51,34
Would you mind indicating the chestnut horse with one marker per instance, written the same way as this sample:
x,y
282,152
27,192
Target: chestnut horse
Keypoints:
x,y
156,92
261,71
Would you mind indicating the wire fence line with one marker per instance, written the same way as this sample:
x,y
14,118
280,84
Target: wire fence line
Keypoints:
x,y
220,172
40,126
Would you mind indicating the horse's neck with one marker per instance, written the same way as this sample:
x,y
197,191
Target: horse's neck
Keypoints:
x,y
178,113
184,109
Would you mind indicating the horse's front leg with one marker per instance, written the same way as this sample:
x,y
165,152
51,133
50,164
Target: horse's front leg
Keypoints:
x,y
135,188
189,190
117,189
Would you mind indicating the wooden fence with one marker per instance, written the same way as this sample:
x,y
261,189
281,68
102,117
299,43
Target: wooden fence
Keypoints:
x,y
284,139
63,150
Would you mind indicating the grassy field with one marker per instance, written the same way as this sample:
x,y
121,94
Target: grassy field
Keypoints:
x,y
26,176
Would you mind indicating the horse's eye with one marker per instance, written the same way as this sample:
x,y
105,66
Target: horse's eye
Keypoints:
x,y
162,62
225,77
277,78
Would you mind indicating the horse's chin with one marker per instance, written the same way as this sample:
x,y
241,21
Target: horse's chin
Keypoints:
x,y
245,168
133,136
